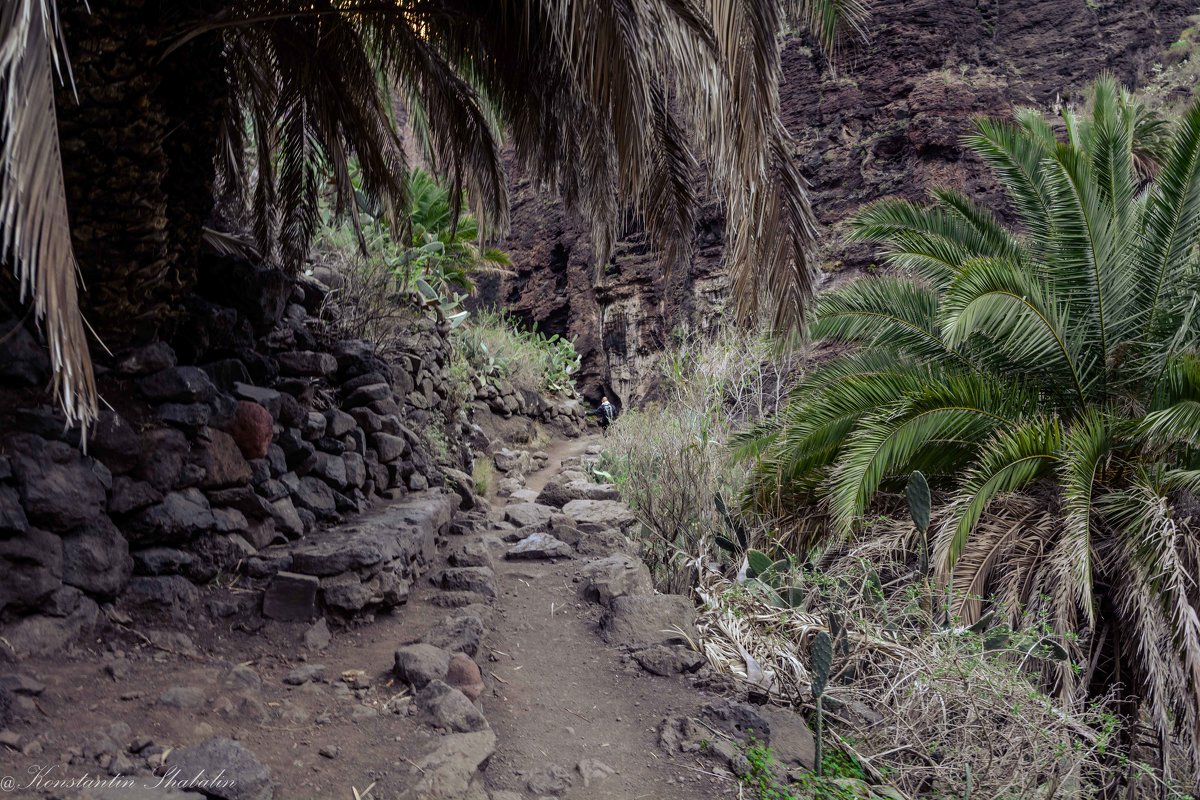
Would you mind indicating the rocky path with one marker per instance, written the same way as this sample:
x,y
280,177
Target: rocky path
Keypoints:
x,y
531,659
570,705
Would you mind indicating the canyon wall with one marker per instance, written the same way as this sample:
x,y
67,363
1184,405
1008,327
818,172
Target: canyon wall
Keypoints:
x,y
886,122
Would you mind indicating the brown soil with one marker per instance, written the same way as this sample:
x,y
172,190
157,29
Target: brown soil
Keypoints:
x,y
556,694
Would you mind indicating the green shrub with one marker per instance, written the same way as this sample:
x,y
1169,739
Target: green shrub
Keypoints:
x,y
669,460
494,346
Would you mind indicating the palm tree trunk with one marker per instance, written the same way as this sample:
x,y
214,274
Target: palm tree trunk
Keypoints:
x,y
138,148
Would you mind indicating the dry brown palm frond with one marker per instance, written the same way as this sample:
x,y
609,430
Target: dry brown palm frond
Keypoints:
x,y
33,206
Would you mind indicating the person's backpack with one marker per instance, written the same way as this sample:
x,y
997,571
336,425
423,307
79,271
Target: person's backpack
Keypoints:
x,y
609,411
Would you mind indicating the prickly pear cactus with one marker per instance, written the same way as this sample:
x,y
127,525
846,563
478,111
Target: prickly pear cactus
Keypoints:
x,y
919,501
822,661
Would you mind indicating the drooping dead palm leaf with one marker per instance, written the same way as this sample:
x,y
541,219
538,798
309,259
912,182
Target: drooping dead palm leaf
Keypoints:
x,y
36,234
613,105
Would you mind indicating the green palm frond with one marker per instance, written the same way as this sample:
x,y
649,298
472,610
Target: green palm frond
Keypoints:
x,y
1019,161
1010,308
961,409
894,311
1012,459
1086,452
1172,218
1046,379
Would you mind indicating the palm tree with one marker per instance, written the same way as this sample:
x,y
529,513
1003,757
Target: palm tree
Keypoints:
x,y
444,243
1047,378
611,104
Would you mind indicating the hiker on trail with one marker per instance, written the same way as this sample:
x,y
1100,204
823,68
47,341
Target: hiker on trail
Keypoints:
x,y
607,413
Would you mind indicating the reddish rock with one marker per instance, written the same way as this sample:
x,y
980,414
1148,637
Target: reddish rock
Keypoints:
x,y
218,454
251,429
463,674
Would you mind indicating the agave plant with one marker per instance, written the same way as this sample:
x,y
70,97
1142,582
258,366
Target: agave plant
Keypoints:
x,y
1045,377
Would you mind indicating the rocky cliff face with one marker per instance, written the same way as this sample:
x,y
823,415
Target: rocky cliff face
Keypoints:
x,y
887,123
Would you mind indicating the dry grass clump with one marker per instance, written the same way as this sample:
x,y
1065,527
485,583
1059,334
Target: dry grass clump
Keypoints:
x,y
670,459
365,300
933,710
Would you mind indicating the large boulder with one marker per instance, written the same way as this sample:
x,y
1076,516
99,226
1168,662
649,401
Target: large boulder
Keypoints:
x,y
251,429
597,515
96,558
462,485
165,451
606,579
179,517
60,488
528,514
451,768
642,621
12,515
178,385
41,634
114,441
445,707
539,546
145,360
559,493
418,664
32,566
462,634
246,778
307,363
25,362
219,456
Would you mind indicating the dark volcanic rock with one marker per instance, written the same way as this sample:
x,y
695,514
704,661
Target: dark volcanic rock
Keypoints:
x,y
130,495
145,360
291,597
165,451
179,516
446,707
12,515
190,416
114,441
457,634
307,363
25,362
249,779
96,558
418,664
32,566
59,487
170,593
178,385
316,496
221,459
251,429
646,620
267,398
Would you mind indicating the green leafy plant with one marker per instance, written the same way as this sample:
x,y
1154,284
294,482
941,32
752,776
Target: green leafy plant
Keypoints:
x,y
1046,379
498,347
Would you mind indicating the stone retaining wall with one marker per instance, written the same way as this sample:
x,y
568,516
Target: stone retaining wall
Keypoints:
x,y
252,431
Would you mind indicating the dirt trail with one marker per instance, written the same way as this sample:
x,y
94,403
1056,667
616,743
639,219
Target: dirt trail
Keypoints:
x,y
566,696
556,695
